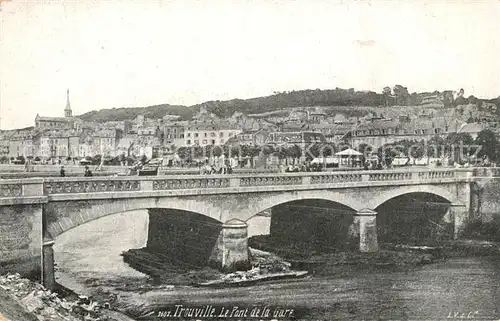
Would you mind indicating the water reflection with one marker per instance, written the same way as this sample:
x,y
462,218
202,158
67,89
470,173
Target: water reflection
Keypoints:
x,y
92,250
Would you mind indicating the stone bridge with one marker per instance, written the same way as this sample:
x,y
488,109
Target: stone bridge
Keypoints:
x,y
33,212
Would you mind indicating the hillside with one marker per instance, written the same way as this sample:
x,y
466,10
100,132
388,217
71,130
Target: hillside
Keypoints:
x,y
349,99
157,111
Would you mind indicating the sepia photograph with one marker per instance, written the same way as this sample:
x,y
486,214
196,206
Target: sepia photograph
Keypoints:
x,y
249,160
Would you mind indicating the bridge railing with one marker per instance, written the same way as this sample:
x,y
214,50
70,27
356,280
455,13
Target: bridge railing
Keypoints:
x,y
486,172
70,185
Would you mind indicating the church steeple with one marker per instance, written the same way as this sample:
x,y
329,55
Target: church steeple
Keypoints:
x,y
67,110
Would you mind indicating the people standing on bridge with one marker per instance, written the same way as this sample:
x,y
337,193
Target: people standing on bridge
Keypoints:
x,y
88,172
62,172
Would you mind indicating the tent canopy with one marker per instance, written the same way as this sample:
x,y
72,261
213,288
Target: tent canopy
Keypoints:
x,y
348,152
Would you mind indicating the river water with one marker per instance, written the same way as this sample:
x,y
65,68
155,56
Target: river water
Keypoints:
x,y
454,289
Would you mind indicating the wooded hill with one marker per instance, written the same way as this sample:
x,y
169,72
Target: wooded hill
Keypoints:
x,y
398,96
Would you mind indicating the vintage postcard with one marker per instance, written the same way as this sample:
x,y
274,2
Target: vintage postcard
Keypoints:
x,y
249,160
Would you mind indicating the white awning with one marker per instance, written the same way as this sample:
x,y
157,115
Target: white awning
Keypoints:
x,y
349,152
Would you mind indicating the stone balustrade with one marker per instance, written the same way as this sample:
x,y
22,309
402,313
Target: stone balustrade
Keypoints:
x,y
397,176
268,180
92,186
190,183
335,178
74,185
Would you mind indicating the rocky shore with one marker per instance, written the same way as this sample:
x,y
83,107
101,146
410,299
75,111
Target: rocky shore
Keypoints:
x,y
22,299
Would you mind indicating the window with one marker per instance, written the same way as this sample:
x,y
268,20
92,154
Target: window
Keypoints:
x,y
188,134
188,142
212,134
204,141
206,134
213,141
181,135
195,134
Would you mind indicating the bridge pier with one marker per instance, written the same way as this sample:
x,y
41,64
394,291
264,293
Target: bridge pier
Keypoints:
x,y
48,271
366,220
460,214
231,250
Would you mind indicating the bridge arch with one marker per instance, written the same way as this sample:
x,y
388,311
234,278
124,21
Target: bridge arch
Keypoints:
x,y
64,216
274,199
417,215
394,192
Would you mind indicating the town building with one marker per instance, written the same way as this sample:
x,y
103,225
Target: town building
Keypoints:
x,y
209,133
42,122
173,133
295,138
249,137
379,132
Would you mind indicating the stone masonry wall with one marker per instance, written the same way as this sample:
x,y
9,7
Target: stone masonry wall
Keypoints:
x,y
20,238
488,199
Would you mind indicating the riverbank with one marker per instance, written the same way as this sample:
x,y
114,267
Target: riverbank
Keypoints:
x,y
22,299
132,295
138,296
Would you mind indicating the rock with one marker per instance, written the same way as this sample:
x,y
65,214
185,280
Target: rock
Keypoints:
x,y
90,307
66,305
32,302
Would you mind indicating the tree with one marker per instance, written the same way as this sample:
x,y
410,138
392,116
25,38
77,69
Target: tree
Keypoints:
x,y
21,159
281,152
268,150
401,94
293,151
490,145
131,160
386,92
436,147
460,146
96,160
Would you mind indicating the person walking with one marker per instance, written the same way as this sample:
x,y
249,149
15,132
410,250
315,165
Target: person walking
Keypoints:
x,y
88,173
62,172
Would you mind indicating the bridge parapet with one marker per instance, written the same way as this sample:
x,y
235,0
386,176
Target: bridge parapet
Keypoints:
x,y
19,191
21,187
15,189
486,172
91,185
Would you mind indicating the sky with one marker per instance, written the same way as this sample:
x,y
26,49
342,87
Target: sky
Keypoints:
x,y
139,53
